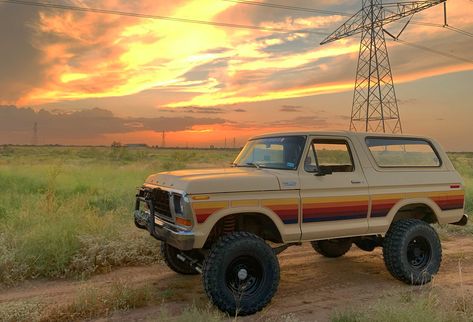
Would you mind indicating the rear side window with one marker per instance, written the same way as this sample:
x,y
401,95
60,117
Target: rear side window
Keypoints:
x,y
403,152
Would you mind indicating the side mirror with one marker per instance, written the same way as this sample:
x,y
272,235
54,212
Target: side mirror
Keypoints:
x,y
322,171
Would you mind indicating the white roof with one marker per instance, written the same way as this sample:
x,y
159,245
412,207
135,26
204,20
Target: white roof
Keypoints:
x,y
336,133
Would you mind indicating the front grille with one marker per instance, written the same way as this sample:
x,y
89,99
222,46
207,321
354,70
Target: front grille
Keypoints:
x,y
160,201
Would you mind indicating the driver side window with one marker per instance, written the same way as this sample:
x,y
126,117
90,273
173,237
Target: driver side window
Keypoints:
x,y
329,154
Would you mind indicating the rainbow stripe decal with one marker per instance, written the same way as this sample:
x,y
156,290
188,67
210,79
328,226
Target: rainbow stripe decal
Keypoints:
x,y
334,208
203,210
286,209
446,200
382,204
452,200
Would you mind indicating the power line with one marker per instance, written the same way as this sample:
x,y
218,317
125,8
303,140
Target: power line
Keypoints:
x,y
434,51
449,27
460,31
294,8
148,16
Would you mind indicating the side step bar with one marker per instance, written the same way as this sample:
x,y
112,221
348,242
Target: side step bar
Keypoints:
x,y
194,263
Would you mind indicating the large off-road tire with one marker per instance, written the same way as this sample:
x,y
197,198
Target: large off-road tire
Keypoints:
x,y
412,251
241,273
169,254
332,247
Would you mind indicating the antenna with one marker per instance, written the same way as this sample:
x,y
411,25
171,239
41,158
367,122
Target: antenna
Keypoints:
x,y
375,106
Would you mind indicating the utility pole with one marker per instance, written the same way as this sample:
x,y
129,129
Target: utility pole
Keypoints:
x,y
34,140
163,140
374,107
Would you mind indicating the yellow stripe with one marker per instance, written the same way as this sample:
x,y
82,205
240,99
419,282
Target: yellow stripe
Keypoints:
x,y
209,205
274,202
244,203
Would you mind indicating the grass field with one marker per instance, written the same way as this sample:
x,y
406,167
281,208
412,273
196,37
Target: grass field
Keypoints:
x,y
66,211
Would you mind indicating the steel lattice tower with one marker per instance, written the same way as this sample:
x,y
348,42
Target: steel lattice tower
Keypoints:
x,y
375,106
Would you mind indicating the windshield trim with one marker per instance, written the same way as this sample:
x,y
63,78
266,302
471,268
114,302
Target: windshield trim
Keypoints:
x,y
259,166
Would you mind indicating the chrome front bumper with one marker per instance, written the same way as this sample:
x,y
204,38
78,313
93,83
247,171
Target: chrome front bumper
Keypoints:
x,y
162,230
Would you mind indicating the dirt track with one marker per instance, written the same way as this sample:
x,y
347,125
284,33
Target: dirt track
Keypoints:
x,y
311,286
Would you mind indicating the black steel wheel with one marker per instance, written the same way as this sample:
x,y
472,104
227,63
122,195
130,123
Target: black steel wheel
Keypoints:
x,y
332,248
419,252
412,251
241,273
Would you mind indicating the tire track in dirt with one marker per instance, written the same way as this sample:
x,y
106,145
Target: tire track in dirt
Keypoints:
x,y
311,287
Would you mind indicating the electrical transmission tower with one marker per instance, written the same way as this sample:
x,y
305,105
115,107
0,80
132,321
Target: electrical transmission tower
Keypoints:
x,y
374,106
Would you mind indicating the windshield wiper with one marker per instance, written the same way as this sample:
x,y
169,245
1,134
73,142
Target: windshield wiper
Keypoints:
x,y
251,164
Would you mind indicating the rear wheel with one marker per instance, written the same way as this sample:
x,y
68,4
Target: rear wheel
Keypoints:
x,y
412,251
241,273
170,253
332,247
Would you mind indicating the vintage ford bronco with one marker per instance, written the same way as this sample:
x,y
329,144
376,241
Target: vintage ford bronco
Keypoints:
x,y
330,189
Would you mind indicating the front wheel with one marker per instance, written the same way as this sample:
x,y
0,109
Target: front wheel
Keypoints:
x,y
169,255
412,251
241,273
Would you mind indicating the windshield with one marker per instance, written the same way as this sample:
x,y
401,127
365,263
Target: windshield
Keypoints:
x,y
273,153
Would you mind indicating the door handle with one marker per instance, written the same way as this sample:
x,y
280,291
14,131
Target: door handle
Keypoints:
x,y
356,181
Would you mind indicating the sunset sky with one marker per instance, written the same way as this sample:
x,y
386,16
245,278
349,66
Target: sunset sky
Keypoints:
x,y
89,78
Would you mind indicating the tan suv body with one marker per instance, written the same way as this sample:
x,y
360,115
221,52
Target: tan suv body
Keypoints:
x,y
295,187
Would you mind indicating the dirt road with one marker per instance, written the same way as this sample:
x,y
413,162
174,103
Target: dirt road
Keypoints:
x,y
311,286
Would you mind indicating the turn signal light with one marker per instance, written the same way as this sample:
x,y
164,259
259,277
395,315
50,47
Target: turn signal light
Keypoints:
x,y
184,222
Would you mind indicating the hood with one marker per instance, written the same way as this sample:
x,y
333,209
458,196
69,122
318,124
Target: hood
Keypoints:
x,y
217,180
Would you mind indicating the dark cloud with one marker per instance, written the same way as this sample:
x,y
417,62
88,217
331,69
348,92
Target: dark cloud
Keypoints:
x,y
291,108
191,109
20,64
16,124
301,121
239,110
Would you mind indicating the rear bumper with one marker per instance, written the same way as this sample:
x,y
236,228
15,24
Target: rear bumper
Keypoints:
x,y
162,230
463,221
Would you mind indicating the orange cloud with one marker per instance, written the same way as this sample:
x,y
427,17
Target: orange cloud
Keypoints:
x,y
100,56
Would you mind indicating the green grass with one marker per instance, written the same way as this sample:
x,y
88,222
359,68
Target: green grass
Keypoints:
x,y
431,306
67,211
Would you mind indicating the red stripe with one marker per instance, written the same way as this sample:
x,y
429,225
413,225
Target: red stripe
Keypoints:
x,y
202,217
287,212
287,216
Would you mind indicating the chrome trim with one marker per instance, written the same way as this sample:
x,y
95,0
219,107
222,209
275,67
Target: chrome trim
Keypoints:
x,y
165,231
